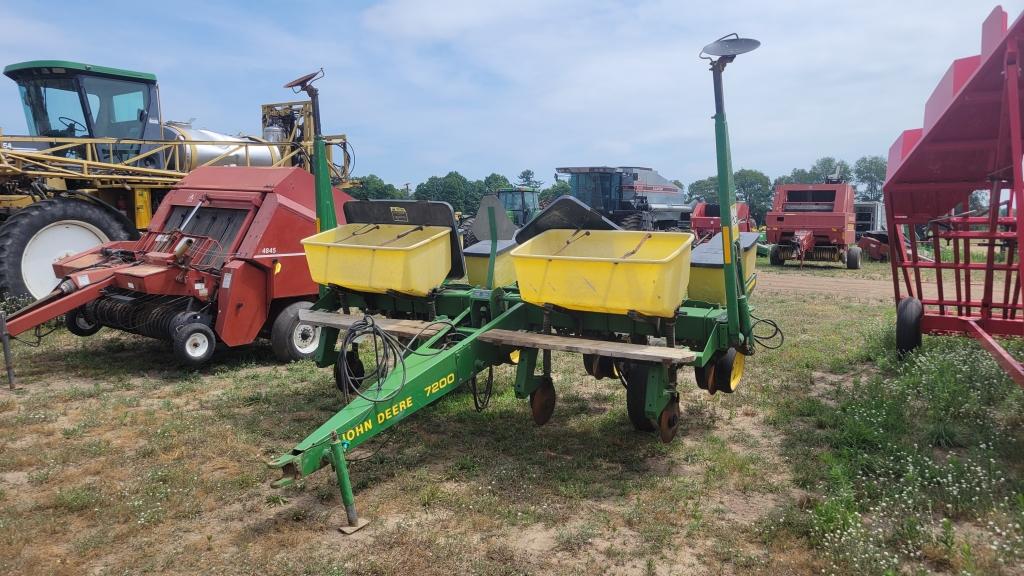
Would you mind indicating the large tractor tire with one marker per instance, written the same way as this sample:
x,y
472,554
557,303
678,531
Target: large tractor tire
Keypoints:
x,y
468,238
633,222
38,235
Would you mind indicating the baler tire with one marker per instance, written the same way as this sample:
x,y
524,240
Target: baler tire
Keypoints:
x,y
908,325
283,332
22,227
636,397
79,324
775,256
194,344
853,255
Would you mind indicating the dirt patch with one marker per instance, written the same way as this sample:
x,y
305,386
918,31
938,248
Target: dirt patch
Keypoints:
x,y
857,289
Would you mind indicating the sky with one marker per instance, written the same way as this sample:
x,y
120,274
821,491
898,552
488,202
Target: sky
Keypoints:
x,y
425,87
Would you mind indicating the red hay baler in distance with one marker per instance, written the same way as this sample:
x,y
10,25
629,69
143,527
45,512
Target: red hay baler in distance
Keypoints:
x,y
221,262
813,222
706,221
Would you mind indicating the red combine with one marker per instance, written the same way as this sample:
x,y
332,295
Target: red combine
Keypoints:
x,y
221,262
971,141
813,222
705,220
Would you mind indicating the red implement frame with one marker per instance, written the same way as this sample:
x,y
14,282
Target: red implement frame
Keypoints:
x,y
971,140
705,226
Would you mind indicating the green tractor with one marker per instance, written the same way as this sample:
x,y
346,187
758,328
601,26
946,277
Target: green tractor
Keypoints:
x,y
521,204
99,157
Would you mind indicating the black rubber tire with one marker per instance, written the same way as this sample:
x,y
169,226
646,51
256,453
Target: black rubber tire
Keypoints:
x,y
355,365
468,238
775,256
599,366
19,229
853,254
286,323
722,378
79,323
908,325
633,222
636,397
704,375
187,352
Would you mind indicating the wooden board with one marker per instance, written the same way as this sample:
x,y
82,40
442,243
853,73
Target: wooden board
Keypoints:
x,y
639,352
404,328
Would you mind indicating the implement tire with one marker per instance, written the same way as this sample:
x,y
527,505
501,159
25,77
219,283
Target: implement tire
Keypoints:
x,y
853,255
636,397
292,339
908,325
39,234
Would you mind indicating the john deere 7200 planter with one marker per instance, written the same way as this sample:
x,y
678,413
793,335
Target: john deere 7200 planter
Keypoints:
x,y
638,305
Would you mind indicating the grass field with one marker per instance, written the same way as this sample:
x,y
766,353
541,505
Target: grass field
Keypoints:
x,y
833,457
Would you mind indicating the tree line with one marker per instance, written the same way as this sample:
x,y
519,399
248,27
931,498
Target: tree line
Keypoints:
x,y
462,193
866,174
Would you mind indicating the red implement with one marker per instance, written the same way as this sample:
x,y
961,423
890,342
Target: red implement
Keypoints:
x,y
971,141
705,220
222,258
813,222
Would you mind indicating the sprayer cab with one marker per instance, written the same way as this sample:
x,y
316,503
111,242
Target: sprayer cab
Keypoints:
x,y
70,99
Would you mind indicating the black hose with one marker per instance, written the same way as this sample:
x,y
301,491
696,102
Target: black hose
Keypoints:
x,y
767,340
388,352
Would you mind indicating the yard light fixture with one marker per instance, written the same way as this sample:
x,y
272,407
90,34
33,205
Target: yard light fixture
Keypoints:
x,y
720,53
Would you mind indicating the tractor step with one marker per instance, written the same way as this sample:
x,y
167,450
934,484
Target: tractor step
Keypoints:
x,y
622,350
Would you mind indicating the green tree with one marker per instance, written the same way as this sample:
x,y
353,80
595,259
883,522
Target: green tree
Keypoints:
x,y
827,167
495,182
870,174
453,188
680,185
526,178
796,176
372,187
705,190
756,189
559,188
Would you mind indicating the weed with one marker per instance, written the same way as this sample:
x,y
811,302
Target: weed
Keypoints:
x,y
893,491
275,500
78,498
574,539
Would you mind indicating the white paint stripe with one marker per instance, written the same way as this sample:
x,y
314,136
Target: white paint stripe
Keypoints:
x,y
280,255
